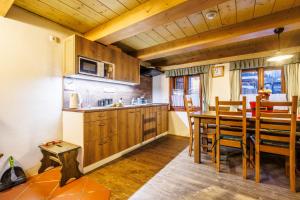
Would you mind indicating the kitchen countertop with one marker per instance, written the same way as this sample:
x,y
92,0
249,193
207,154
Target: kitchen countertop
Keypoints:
x,y
95,109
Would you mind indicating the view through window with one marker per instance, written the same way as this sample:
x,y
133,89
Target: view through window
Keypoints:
x,y
262,78
249,82
272,81
185,85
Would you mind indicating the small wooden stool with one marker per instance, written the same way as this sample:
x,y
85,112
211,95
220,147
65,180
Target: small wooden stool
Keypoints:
x,y
64,154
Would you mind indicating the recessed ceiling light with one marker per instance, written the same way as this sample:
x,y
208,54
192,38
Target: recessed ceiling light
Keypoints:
x,y
211,14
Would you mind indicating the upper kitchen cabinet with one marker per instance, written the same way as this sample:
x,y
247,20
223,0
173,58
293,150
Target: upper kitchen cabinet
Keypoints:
x,y
117,65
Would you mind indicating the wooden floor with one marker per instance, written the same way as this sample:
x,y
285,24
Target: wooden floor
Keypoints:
x,y
183,179
127,174
163,170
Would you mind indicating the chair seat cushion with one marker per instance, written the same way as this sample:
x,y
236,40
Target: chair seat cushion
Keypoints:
x,y
271,143
230,137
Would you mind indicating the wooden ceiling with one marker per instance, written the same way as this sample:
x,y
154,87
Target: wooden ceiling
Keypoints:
x,y
228,13
233,51
170,32
79,15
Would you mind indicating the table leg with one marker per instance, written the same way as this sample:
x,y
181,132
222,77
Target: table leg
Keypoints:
x,y
69,166
46,162
197,141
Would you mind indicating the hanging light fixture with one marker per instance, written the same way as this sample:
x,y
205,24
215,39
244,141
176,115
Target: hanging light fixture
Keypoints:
x,y
279,56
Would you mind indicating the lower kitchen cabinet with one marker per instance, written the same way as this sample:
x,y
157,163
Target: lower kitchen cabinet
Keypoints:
x,y
100,136
129,126
164,119
105,133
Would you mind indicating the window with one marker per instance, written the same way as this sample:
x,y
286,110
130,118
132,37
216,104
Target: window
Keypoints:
x,y
178,92
181,86
272,80
262,78
194,89
249,82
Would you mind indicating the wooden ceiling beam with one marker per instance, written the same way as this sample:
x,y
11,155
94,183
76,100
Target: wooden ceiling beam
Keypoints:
x,y
253,48
5,5
150,14
255,28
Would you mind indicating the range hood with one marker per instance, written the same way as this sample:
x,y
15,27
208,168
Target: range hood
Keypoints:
x,y
150,71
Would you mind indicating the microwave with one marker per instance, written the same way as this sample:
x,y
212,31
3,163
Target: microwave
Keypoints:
x,y
91,67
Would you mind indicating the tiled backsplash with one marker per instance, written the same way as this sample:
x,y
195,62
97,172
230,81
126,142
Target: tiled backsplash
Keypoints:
x,y
91,91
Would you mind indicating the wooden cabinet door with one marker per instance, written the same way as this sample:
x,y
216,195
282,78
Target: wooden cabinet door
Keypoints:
x,y
122,129
91,131
131,127
164,119
136,70
114,148
105,149
158,121
138,125
92,152
104,131
126,68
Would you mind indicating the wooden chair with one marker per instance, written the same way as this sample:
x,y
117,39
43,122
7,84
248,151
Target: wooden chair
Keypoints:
x,y
209,132
223,108
231,130
188,103
189,108
276,133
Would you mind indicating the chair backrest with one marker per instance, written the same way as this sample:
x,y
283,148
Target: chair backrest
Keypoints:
x,y
224,108
189,108
231,123
276,127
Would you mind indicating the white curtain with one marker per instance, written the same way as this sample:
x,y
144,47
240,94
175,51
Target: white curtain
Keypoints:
x,y
206,85
292,80
235,86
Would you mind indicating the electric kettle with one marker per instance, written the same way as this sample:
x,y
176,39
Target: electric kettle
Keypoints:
x,y
74,100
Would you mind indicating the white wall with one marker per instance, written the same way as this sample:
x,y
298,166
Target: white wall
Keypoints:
x,y
160,89
220,86
178,123
30,85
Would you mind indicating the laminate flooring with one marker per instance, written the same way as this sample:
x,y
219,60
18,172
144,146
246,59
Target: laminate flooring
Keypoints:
x,y
162,170
126,175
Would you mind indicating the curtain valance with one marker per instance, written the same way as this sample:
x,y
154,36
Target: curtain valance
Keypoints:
x,y
203,69
262,62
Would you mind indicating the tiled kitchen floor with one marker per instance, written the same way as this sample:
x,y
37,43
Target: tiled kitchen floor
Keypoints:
x,y
45,186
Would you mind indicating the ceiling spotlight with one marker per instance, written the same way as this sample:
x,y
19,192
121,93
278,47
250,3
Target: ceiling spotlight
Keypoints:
x,y
211,14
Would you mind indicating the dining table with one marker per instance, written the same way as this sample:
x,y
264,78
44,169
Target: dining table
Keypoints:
x,y
209,117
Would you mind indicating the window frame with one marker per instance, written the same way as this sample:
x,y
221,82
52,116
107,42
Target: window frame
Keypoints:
x,y
185,91
260,73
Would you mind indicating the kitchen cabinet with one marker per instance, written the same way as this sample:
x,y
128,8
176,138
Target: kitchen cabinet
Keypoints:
x,y
126,68
129,126
164,119
103,133
100,136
